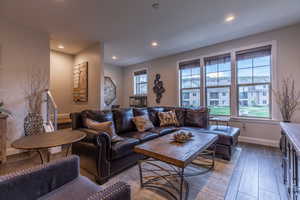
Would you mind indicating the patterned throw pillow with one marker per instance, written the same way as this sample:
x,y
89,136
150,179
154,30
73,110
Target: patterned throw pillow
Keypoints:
x,y
168,118
106,127
142,123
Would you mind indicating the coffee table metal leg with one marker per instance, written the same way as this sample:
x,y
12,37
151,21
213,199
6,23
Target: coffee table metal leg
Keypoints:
x,y
181,183
141,173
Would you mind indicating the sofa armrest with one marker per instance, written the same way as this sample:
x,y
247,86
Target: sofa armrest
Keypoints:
x,y
37,181
76,121
116,191
97,138
98,146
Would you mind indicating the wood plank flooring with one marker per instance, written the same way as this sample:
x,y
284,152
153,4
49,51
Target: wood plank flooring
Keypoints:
x,y
257,175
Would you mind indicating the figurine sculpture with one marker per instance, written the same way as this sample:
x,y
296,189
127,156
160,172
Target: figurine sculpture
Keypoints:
x,y
158,88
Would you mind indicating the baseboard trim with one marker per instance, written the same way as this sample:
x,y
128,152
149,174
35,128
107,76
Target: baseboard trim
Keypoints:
x,y
271,143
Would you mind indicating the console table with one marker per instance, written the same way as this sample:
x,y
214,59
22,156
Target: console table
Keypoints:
x,y
3,131
290,148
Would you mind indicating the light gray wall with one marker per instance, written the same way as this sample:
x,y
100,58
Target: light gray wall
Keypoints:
x,y
116,74
61,80
21,49
94,56
287,60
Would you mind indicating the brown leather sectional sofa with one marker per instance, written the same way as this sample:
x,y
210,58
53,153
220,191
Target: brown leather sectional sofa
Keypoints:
x,y
104,159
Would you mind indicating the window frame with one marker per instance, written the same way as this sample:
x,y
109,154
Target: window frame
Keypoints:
x,y
238,85
234,93
218,86
135,85
193,88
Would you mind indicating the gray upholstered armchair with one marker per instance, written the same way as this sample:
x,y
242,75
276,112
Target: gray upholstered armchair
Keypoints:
x,y
59,180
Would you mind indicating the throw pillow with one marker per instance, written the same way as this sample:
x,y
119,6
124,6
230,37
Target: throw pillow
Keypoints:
x,y
142,123
106,127
168,118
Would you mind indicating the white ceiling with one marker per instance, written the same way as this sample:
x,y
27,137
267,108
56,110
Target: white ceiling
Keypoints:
x,y
127,27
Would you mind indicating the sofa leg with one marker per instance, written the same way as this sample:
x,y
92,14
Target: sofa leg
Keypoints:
x,y
101,181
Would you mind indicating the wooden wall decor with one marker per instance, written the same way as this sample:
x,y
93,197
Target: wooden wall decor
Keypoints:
x,y
110,91
158,88
3,135
80,82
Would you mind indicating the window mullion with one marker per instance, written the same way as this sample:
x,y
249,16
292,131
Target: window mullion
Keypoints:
x,y
202,84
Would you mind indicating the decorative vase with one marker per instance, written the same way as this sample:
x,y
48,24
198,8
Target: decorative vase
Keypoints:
x,y
33,124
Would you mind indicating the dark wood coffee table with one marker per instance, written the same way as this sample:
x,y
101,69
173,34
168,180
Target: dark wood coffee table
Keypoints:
x,y
45,141
177,156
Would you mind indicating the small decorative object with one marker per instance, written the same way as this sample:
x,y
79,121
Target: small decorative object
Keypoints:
x,y
3,110
182,136
80,82
38,82
288,99
110,91
138,101
158,88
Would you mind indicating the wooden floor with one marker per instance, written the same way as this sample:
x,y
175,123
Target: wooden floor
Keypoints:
x,y
257,175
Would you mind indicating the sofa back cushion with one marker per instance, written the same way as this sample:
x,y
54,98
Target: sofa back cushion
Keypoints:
x,y
123,120
140,112
99,116
197,118
153,116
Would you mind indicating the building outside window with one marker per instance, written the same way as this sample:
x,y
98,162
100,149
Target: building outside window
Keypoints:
x,y
189,73
140,82
218,83
254,79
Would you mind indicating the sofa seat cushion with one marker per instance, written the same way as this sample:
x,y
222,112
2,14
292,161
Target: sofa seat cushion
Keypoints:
x,y
80,189
141,136
123,148
227,135
164,130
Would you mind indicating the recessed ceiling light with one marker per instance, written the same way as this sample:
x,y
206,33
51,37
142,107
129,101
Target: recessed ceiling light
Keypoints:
x,y
230,18
114,57
154,44
61,47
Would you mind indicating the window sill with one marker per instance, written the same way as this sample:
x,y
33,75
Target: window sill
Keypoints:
x,y
254,120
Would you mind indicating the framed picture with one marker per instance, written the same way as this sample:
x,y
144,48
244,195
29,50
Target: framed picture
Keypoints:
x,y
110,91
80,82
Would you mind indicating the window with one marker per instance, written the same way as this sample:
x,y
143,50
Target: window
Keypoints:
x,y
218,81
190,84
140,82
254,82
214,83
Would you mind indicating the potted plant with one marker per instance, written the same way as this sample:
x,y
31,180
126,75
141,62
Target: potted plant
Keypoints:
x,y
288,99
3,110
